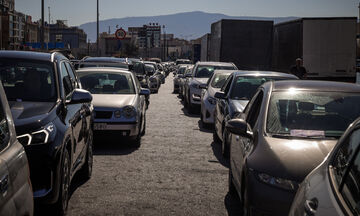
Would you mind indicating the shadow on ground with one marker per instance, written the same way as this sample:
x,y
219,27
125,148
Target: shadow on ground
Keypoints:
x,y
112,145
216,147
233,205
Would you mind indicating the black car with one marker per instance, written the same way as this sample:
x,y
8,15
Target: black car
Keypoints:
x,y
53,121
235,95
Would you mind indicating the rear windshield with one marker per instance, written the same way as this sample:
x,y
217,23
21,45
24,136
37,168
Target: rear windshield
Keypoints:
x,y
25,80
181,70
205,71
107,83
245,87
219,80
312,114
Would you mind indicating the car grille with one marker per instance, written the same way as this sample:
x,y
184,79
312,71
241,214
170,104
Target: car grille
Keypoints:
x,y
103,114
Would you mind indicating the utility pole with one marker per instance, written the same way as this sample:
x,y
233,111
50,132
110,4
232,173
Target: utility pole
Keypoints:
x,y
97,28
49,15
42,32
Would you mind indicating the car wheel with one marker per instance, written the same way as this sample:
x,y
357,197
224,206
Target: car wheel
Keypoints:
x,y
224,145
62,203
86,170
144,129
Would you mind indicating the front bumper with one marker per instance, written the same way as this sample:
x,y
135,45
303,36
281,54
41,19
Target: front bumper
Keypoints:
x,y
207,111
265,199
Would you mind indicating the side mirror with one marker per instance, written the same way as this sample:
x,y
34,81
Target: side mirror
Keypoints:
x,y
203,86
220,95
80,96
239,127
144,91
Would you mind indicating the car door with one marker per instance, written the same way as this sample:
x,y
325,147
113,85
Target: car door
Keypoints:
x,y
220,111
242,146
74,112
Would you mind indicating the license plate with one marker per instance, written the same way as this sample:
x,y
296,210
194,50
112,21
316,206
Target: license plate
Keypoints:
x,y
100,126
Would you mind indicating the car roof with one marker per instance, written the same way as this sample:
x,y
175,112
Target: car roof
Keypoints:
x,y
264,73
215,63
103,69
30,55
313,85
104,59
224,71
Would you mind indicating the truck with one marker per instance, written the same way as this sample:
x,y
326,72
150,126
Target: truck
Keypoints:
x,y
246,43
327,47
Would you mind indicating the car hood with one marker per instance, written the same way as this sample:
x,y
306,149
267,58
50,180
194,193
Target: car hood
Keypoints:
x,y
29,116
113,100
239,105
291,159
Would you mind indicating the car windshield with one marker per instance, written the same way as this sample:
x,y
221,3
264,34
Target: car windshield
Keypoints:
x,y
149,68
205,71
311,114
107,83
25,80
245,87
219,80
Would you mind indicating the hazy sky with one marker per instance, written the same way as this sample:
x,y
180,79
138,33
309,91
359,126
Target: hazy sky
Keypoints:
x,y
81,11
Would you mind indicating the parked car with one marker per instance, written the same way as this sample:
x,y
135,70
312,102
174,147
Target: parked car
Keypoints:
x,y
15,187
234,96
119,102
333,188
201,73
158,73
184,79
285,131
53,121
208,100
178,76
154,81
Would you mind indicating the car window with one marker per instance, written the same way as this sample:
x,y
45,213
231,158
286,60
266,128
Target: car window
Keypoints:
x,y
219,80
66,79
347,171
228,85
205,71
254,110
4,130
25,80
72,75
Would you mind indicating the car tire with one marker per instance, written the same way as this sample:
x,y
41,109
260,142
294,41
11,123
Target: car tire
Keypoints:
x,y
144,129
62,203
86,170
224,146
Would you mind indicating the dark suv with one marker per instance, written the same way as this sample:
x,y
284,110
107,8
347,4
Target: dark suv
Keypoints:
x,y
53,119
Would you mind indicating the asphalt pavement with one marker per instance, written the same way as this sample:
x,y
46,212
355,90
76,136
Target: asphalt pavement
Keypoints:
x,y
177,170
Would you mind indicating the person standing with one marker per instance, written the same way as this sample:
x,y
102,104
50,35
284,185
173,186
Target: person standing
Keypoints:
x,y
298,69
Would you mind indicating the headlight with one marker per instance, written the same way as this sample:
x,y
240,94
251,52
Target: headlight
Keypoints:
x,y
129,111
212,100
278,182
38,137
117,114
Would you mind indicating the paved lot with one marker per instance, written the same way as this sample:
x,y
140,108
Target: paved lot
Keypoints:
x,y
178,170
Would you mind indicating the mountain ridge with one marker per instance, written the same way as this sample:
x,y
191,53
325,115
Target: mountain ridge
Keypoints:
x,y
186,25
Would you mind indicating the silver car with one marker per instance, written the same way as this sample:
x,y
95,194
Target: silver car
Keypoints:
x,y
201,73
180,74
333,188
208,101
119,101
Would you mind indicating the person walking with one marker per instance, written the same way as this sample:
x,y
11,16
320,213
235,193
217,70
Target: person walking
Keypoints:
x,y
298,69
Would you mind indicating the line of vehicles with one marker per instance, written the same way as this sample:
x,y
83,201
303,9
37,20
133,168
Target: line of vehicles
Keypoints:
x,y
52,109
293,145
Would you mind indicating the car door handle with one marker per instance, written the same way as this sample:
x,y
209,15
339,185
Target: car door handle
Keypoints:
x,y
311,206
4,184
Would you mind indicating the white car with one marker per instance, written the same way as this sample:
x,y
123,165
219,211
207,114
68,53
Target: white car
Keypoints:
x,y
200,75
208,101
